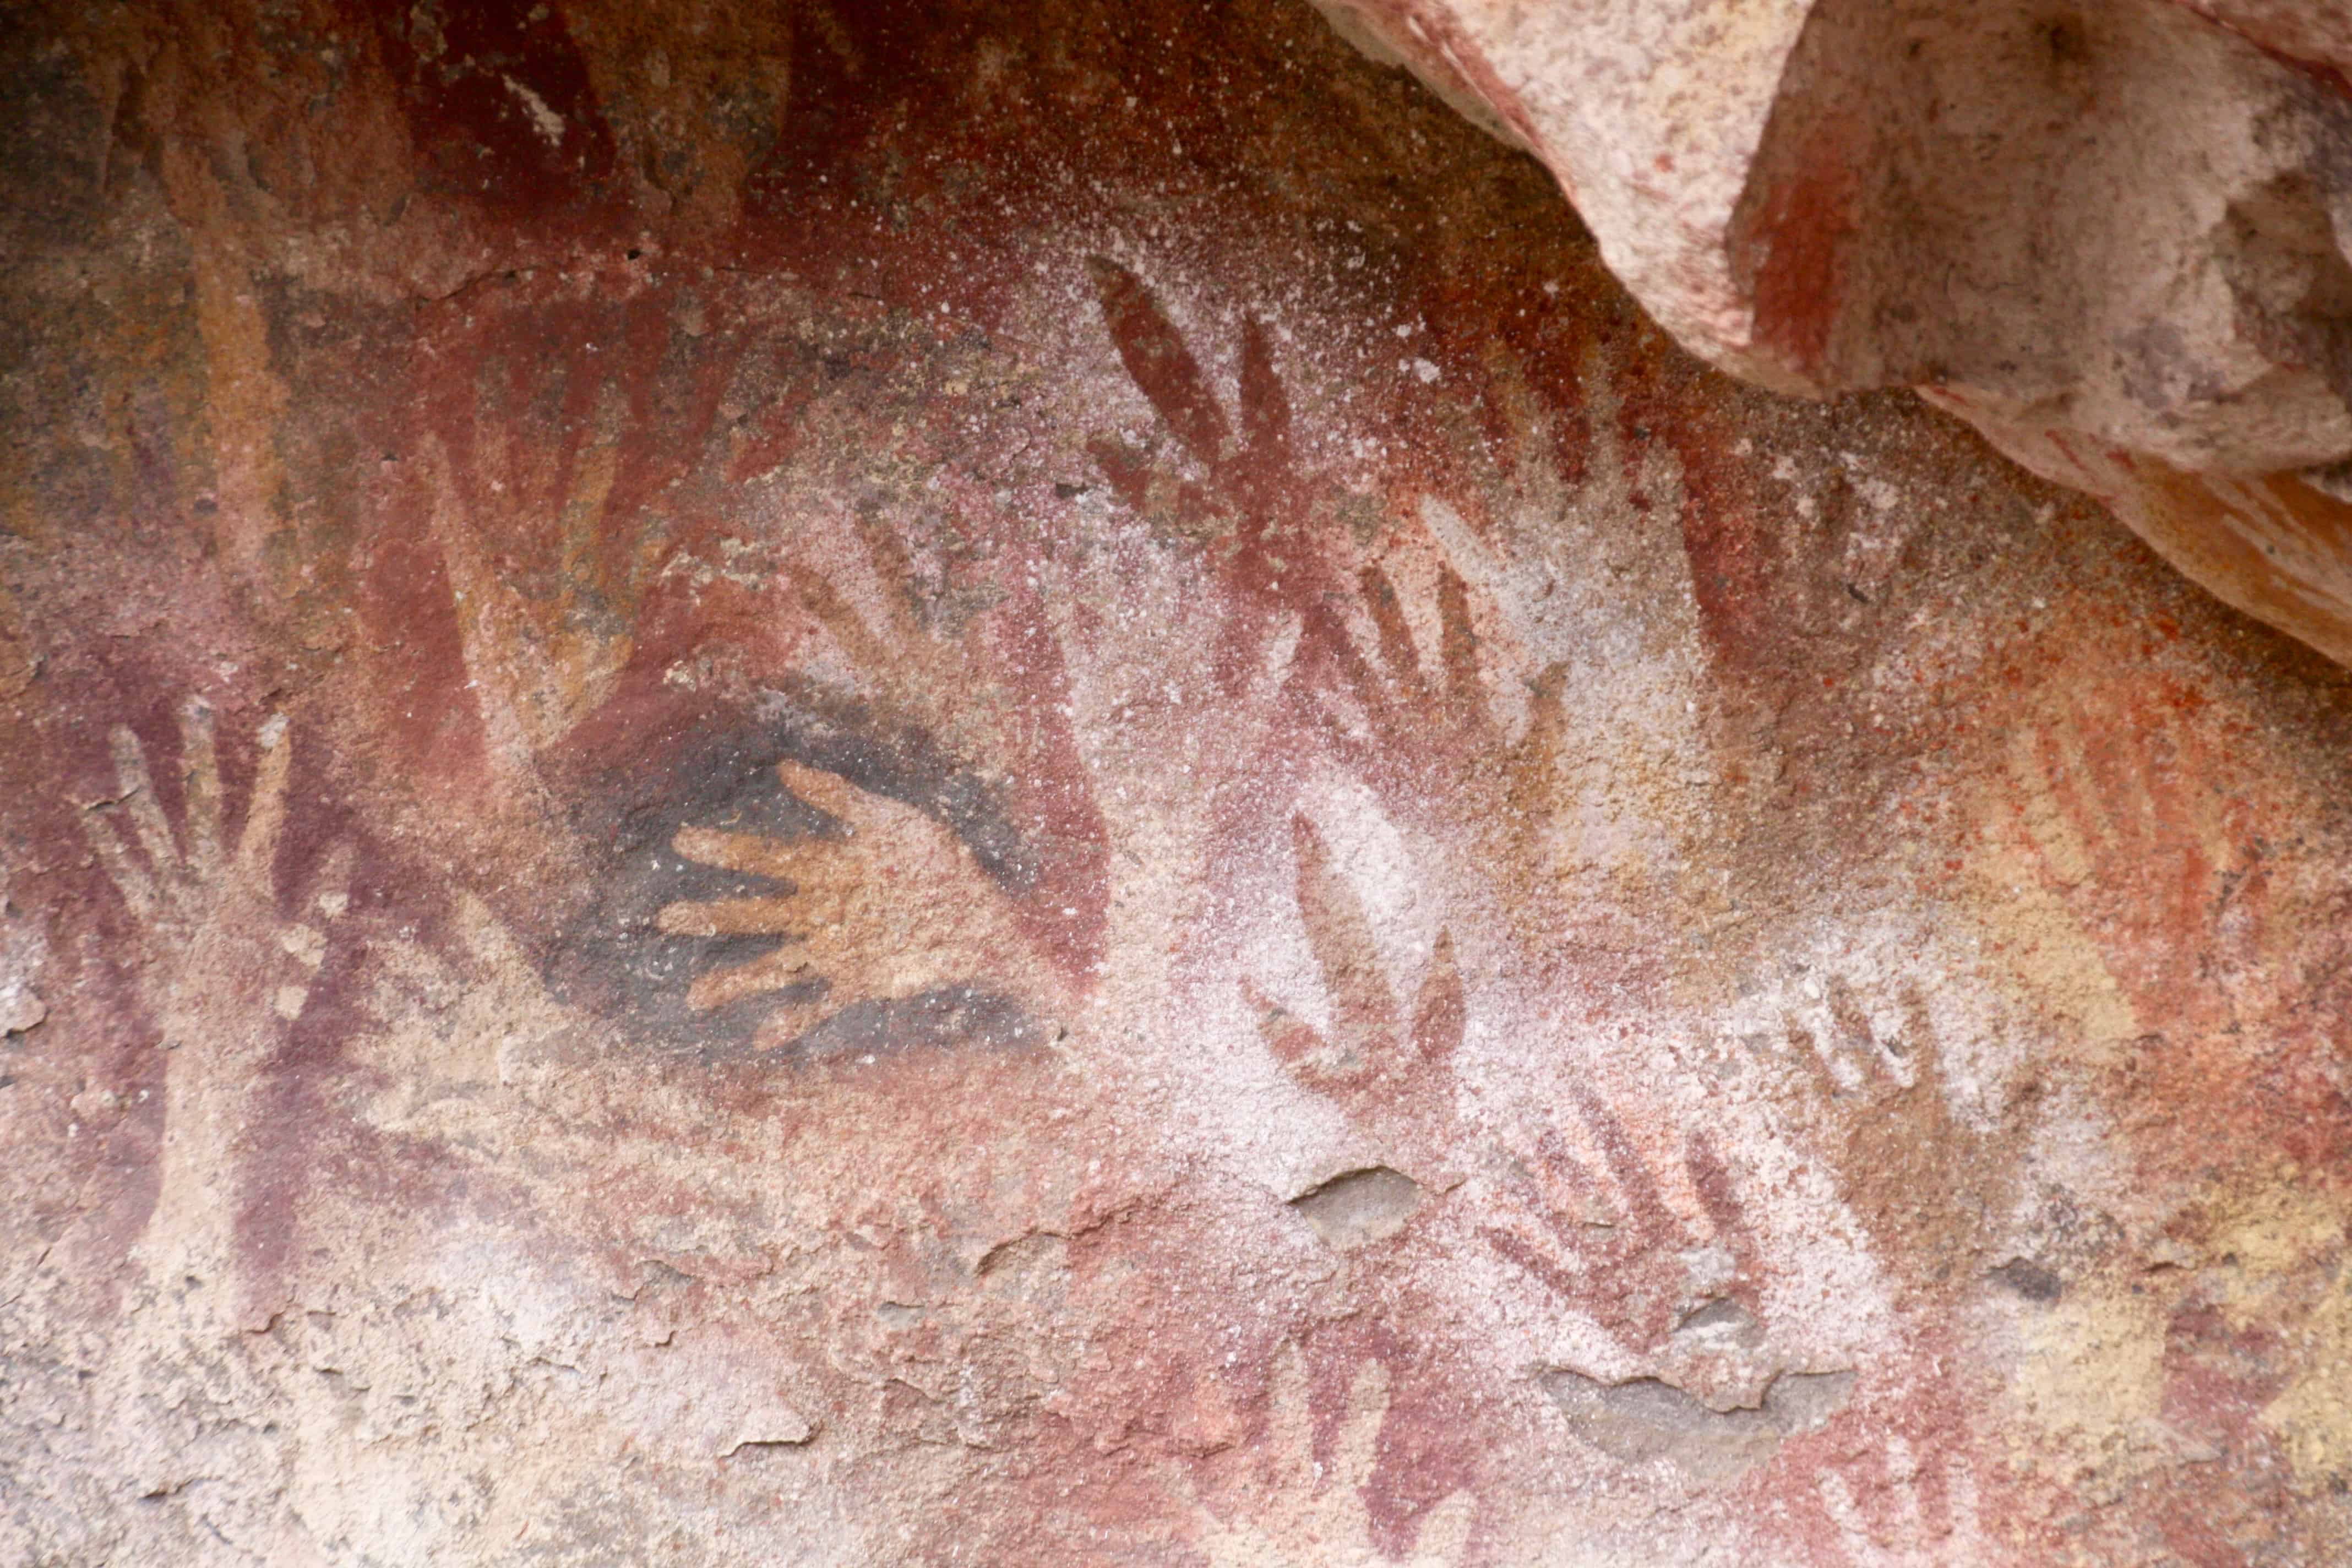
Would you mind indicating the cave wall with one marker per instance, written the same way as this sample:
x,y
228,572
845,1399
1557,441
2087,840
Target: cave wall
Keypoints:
x,y
1022,783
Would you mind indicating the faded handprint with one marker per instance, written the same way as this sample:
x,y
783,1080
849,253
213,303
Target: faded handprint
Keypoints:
x,y
1930,1180
1410,714
1892,1507
234,974
540,477
1305,1511
2156,820
2127,819
897,906
183,891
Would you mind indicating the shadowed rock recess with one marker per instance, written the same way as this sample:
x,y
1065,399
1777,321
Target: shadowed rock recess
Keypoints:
x,y
924,784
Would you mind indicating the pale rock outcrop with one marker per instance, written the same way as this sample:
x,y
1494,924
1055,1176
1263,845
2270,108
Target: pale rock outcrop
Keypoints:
x,y
2111,235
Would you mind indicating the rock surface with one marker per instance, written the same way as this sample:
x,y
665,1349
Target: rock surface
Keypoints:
x,y
2112,235
1020,783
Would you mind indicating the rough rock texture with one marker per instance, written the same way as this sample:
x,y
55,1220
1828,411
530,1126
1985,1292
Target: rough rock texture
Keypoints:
x,y
2112,234
1018,784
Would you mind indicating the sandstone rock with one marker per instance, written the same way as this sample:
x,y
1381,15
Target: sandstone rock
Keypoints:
x,y
1019,783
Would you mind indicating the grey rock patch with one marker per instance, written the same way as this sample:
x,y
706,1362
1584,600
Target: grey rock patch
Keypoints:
x,y
1357,1207
782,1428
1721,1321
1647,1419
2029,1279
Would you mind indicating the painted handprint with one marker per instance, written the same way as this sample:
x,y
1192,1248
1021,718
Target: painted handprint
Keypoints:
x,y
1653,1246
894,907
1238,490
889,839
1303,1510
1388,1067
1450,662
957,662
527,503
232,970
1647,1251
